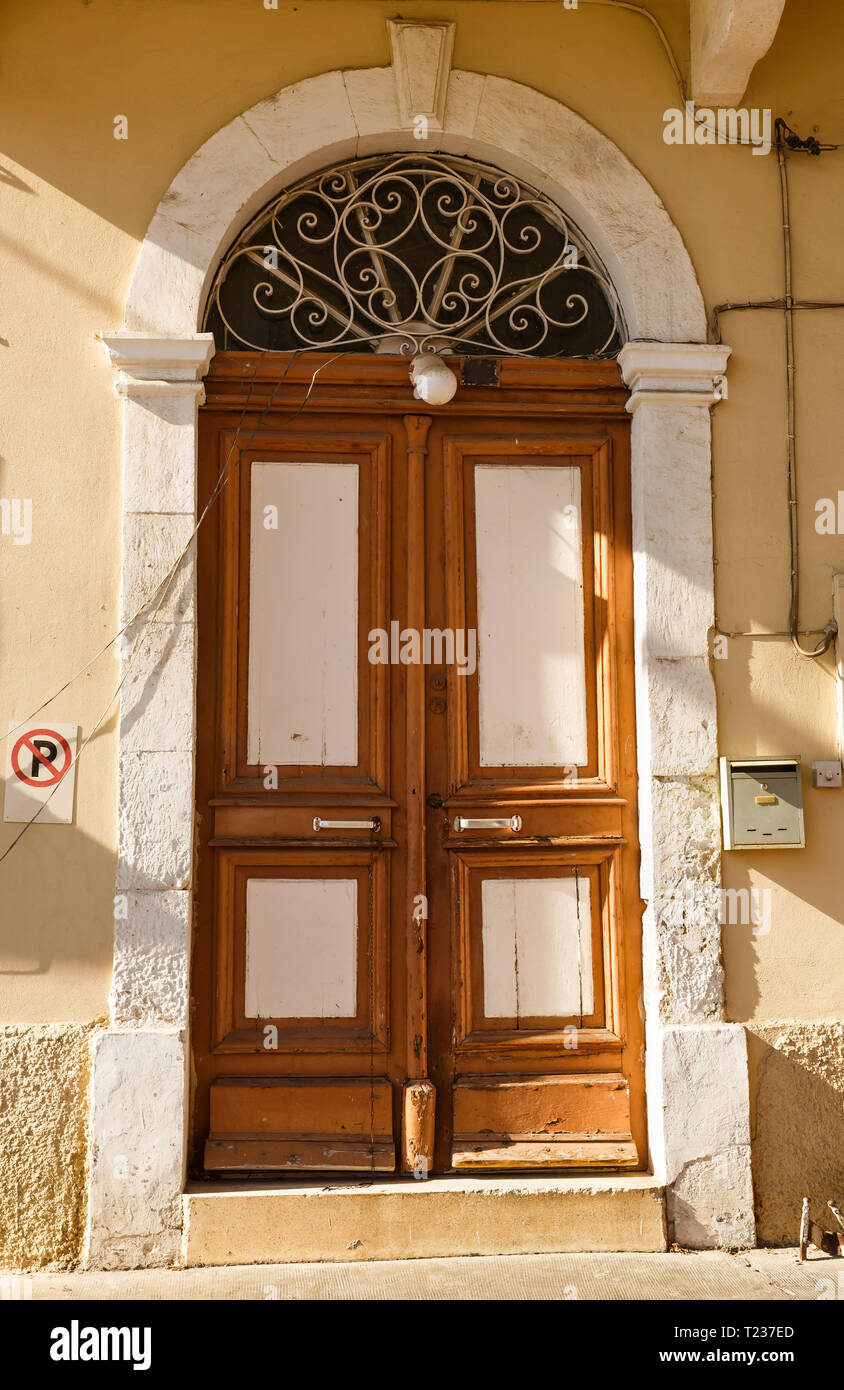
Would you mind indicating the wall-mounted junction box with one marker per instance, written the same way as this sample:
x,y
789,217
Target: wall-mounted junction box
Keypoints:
x,y
762,803
826,774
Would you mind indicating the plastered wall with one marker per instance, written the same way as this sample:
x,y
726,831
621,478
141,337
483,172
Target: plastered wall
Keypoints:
x,y
74,206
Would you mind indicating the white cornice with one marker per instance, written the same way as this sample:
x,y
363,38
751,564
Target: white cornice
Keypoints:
x,y
680,373
152,364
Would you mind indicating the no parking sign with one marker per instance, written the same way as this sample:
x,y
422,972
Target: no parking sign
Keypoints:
x,y
40,772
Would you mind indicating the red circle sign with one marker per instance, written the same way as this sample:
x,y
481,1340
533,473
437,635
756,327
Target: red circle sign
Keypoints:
x,y
53,773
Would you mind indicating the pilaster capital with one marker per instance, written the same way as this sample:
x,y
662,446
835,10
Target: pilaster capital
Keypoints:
x,y
156,364
674,373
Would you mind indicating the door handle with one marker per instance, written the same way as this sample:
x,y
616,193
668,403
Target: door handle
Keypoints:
x,y
492,823
320,824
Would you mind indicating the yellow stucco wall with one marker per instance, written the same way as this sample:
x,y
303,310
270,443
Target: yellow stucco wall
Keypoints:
x,y
74,206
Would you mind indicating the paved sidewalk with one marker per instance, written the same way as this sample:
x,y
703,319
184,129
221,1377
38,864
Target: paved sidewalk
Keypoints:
x,y
754,1274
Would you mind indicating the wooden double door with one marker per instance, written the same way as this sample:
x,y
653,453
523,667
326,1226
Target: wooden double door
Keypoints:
x,y
417,926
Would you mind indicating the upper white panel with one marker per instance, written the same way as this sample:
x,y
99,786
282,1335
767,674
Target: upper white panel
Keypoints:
x,y
531,659
303,620
301,948
537,947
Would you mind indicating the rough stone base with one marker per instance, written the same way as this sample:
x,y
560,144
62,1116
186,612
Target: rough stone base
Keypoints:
x,y
44,1075
708,1204
797,1109
138,1110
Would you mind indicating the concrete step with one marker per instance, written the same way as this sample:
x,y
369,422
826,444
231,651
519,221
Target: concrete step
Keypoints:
x,y
298,1220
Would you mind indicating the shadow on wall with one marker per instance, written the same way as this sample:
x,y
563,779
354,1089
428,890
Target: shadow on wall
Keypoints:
x,y
797,1125
769,950
57,888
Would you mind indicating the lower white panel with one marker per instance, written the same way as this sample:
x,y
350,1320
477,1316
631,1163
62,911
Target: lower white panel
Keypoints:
x,y
537,948
301,948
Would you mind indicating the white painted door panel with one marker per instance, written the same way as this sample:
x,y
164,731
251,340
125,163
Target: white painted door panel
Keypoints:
x,y
531,659
303,619
536,947
301,948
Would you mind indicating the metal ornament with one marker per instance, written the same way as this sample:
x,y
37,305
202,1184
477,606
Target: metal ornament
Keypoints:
x,y
414,254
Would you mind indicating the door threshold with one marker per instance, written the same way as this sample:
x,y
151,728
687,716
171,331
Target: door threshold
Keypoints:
x,y
301,1218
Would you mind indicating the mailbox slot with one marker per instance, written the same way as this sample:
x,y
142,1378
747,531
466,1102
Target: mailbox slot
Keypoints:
x,y
762,803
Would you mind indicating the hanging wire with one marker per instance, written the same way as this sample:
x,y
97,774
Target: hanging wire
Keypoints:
x,y
163,588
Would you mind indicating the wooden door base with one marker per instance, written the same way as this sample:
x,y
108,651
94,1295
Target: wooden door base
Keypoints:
x,y
292,1135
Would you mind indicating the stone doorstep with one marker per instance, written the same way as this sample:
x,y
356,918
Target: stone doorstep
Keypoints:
x,y
298,1220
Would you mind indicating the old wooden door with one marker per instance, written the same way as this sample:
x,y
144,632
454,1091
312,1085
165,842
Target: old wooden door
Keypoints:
x,y
417,937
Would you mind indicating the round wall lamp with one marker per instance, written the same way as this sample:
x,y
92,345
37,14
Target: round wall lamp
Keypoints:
x,y
433,380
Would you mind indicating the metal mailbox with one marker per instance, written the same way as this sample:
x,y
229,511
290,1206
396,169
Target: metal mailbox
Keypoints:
x,y
762,803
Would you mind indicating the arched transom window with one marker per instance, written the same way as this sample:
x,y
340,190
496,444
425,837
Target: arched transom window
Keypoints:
x,y
411,253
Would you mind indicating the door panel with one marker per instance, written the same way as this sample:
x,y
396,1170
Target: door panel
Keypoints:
x,y
301,948
303,615
417,933
305,554
519,530
301,872
309,958
272,1123
530,607
549,1122
537,948
530,853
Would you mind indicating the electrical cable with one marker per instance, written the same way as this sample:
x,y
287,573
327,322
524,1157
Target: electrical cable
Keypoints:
x,y
790,437
793,143
797,304
663,38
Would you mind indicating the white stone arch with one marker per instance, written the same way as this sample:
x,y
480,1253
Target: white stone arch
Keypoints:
x,y
696,1062
345,115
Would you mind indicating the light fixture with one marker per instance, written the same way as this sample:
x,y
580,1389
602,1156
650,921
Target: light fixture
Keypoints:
x,y
433,380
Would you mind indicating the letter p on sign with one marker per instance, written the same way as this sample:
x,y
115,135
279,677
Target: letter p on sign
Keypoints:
x,y
40,773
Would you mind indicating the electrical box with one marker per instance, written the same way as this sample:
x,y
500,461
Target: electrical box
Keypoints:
x,y
762,803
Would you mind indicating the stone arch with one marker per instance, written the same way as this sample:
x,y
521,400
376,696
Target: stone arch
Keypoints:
x,y
342,115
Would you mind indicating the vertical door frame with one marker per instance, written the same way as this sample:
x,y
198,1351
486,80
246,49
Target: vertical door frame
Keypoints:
x,y
698,1095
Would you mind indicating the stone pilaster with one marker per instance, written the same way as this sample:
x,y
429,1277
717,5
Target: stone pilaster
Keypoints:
x,y
140,1064
696,1063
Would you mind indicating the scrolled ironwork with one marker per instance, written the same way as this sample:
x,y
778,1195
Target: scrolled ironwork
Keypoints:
x,y
415,253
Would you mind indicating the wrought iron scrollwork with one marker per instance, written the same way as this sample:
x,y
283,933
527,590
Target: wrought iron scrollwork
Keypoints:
x,y
415,253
